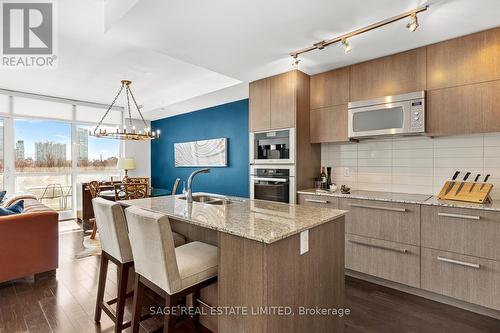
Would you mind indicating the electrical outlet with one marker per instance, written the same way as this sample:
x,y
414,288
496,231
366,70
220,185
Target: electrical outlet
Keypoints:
x,y
347,172
304,242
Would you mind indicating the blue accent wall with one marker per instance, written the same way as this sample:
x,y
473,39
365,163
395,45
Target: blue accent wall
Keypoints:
x,y
223,121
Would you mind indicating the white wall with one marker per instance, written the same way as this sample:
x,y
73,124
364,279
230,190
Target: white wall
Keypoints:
x,y
140,150
413,164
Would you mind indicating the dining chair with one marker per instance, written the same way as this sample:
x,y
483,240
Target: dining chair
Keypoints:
x,y
141,180
116,248
130,191
94,189
176,185
170,272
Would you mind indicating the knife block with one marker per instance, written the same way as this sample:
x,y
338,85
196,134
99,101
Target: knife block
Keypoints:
x,y
477,195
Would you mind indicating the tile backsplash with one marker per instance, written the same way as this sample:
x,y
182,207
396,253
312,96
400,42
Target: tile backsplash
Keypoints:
x,y
413,164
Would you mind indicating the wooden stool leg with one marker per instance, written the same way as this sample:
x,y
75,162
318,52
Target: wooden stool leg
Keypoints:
x,y
137,304
121,298
196,305
103,271
94,230
170,319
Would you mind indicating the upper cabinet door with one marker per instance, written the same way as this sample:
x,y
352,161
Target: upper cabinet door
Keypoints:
x,y
329,124
330,88
260,105
283,100
470,59
392,75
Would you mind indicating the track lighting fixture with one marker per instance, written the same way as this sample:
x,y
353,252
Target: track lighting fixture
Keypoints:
x,y
295,63
413,25
347,47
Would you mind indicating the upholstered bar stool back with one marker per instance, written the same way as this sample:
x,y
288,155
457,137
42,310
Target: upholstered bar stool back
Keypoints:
x,y
170,272
113,231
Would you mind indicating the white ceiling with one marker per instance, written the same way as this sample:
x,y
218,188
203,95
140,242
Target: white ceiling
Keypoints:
x,y
181,53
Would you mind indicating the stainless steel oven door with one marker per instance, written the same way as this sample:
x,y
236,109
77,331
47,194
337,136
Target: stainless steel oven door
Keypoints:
x,y
272,188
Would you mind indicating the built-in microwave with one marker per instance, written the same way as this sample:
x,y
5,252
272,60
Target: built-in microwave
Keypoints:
x,y
272,147
390,115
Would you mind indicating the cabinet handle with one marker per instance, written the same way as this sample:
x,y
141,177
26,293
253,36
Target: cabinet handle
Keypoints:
x,y
458,262
460,216
392,209
379,246
317,201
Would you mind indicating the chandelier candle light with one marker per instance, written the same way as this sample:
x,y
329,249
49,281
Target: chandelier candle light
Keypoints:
x,y
125,134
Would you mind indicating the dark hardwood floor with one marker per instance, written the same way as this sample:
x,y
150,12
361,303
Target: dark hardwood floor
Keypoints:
x,y
66,304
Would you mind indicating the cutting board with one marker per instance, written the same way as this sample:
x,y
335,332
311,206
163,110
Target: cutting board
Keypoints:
x,y
477,195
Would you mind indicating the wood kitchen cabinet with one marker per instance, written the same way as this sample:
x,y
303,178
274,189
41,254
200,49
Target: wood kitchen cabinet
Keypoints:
x,y
465,109
275,101
388,260
470,59
260,105
392,75
330,88
329,124
283,100
474,280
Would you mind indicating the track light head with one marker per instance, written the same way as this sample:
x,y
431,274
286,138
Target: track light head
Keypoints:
x,y
413,25
347,47
296,62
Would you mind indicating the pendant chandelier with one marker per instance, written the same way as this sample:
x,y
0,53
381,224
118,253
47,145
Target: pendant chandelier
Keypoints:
x,y
124,133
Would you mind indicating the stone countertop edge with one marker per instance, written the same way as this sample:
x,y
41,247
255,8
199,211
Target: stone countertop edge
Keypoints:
x,y
431,201
267,241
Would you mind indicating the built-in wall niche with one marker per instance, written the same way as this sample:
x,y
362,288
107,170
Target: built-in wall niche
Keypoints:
x,y
202,153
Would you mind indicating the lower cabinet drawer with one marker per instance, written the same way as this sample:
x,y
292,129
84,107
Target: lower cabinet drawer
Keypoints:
x,y
391,221
471,279
318,201
472,232
388,260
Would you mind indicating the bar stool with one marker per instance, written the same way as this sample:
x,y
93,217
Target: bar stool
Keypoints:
x,y
116,248
170,272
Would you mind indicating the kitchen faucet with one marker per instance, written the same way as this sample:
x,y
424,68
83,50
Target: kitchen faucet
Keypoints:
x,y
189,193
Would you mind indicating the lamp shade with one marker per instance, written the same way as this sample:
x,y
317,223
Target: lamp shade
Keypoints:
x,y
126,163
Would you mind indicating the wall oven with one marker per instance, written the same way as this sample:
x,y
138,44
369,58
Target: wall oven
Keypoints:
x,y
390,115
273,183
272,147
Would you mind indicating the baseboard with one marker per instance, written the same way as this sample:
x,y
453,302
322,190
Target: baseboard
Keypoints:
x,y
426,294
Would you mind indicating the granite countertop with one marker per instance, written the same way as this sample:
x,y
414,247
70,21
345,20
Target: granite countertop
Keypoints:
x,y
421,199
374,195
434,201
262,221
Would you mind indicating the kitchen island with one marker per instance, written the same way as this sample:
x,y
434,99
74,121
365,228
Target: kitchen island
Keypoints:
x,y
269,279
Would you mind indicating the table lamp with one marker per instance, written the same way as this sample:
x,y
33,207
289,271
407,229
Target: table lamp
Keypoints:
x,y
126,163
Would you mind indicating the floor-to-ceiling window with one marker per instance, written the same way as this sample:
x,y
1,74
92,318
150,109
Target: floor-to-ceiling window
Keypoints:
x,y
49,152
43,161
96,158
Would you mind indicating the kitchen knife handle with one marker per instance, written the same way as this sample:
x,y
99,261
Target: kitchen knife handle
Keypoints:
x,y
455,175
477,177
486,178
466,176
